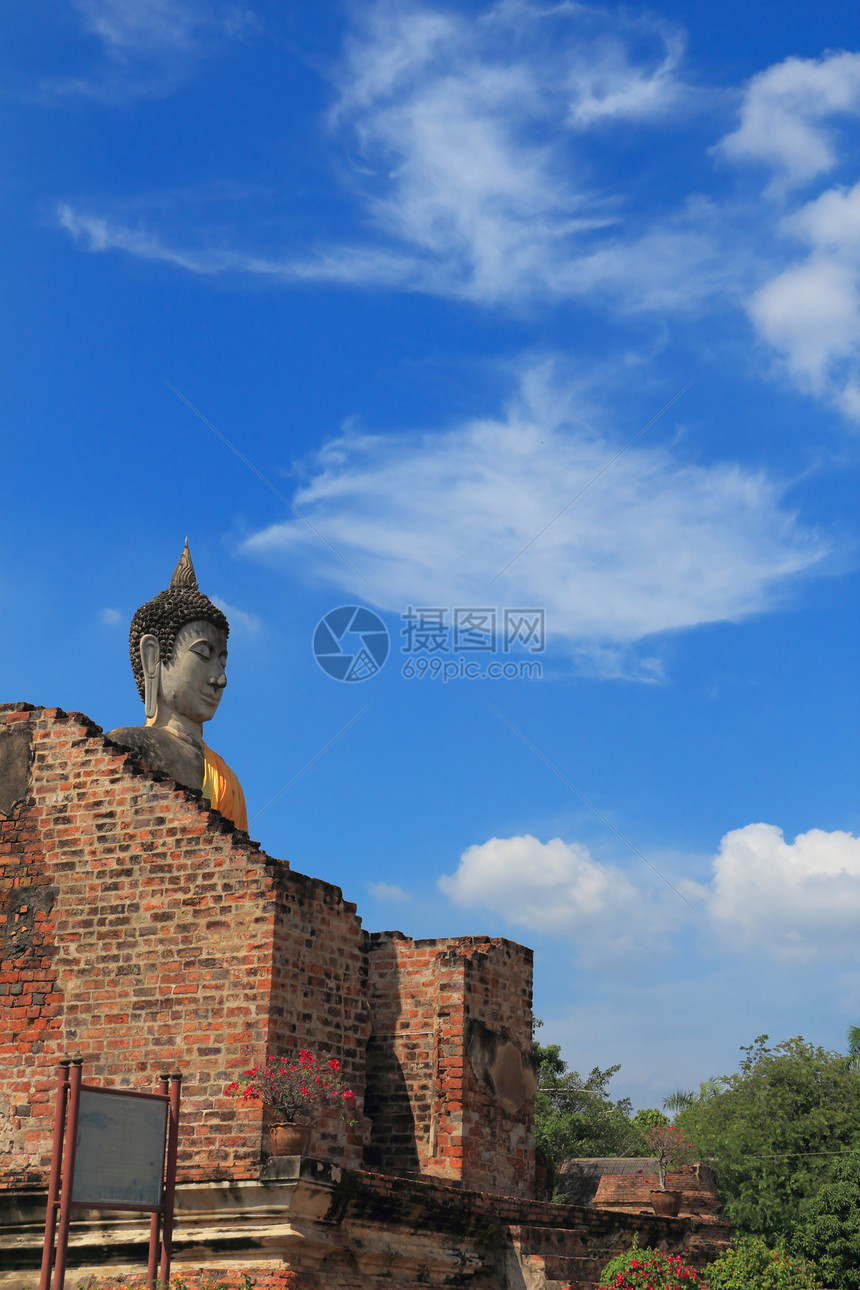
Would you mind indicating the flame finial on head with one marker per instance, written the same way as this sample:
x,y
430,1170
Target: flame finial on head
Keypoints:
x,y
183,574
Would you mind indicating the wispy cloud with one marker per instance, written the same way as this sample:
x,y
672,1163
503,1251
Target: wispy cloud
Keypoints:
x,y
475,152
464,135
388,893
655,545
149,46
248,624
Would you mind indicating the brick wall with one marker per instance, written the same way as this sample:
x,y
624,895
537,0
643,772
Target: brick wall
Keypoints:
x,y
437,1006
144,934
632,1192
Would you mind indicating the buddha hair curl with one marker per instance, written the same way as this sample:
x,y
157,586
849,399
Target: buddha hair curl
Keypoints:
x,y
164,616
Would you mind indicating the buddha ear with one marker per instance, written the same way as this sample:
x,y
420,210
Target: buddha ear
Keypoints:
x,y
150,657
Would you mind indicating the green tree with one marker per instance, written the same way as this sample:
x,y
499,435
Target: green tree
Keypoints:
x,y
575,1116
774,1131
644,1121
752,1265
829,1231
853,1037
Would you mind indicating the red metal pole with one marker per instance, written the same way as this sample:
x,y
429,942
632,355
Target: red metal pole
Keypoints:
x,y
56,1166
155,1221
68,1173
170,1180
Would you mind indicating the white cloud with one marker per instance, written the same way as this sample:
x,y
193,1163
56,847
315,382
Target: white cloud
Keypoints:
x,y
831,222
467,130
651,546
766,897
149,46
810,312
797,898
785,114
156,27
551,887
238,618
388,893
111,617
140,24
472,152
463,134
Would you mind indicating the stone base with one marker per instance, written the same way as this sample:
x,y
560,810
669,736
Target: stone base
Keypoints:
x,y
319,1227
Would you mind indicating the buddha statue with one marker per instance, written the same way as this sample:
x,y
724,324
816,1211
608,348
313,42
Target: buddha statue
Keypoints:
x,y
178,646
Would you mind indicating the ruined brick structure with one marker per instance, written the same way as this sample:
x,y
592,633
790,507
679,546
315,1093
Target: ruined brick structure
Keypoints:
x,y
143,933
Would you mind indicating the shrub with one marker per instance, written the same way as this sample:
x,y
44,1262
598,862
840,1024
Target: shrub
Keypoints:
x,y
750,1264
640,1269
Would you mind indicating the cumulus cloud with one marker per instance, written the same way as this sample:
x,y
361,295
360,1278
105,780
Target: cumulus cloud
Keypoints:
x,y
550,887
652,545
787,115
798,897
810,312
111,617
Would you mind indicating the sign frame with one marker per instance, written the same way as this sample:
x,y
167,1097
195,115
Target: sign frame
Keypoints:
x,y
61,1186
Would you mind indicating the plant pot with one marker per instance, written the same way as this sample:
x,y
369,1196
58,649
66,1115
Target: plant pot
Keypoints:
x,y
287,1139
666,1203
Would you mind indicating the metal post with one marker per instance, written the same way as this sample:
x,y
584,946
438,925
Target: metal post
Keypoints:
x,y
56,1166
68,1173
155,1221
170,1180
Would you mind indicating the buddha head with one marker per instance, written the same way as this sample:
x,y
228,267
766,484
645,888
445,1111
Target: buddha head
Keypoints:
x,y
178,647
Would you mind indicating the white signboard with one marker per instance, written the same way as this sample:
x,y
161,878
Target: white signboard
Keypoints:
x,y
120,1150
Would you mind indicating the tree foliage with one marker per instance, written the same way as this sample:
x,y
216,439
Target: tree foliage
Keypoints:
x,y
774,1131
574,1116
829,1231
645,1121
750,1264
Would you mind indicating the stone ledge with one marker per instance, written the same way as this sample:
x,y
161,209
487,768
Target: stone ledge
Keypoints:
x,y
317,1216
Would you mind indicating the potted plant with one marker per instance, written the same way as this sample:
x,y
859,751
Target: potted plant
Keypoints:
x,y
670,1149
294,1090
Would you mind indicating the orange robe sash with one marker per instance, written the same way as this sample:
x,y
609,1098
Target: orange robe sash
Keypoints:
x,y
223,789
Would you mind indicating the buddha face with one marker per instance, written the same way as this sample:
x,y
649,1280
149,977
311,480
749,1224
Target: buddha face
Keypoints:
x,y
193,681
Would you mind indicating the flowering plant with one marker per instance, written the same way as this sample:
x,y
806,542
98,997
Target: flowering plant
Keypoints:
x,y
670,1148
648,1270
296,1087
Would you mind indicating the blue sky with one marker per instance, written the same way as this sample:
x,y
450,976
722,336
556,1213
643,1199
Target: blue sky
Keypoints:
x,y
475,307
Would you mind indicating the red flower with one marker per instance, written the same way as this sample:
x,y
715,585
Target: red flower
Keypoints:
x,y
334,1064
